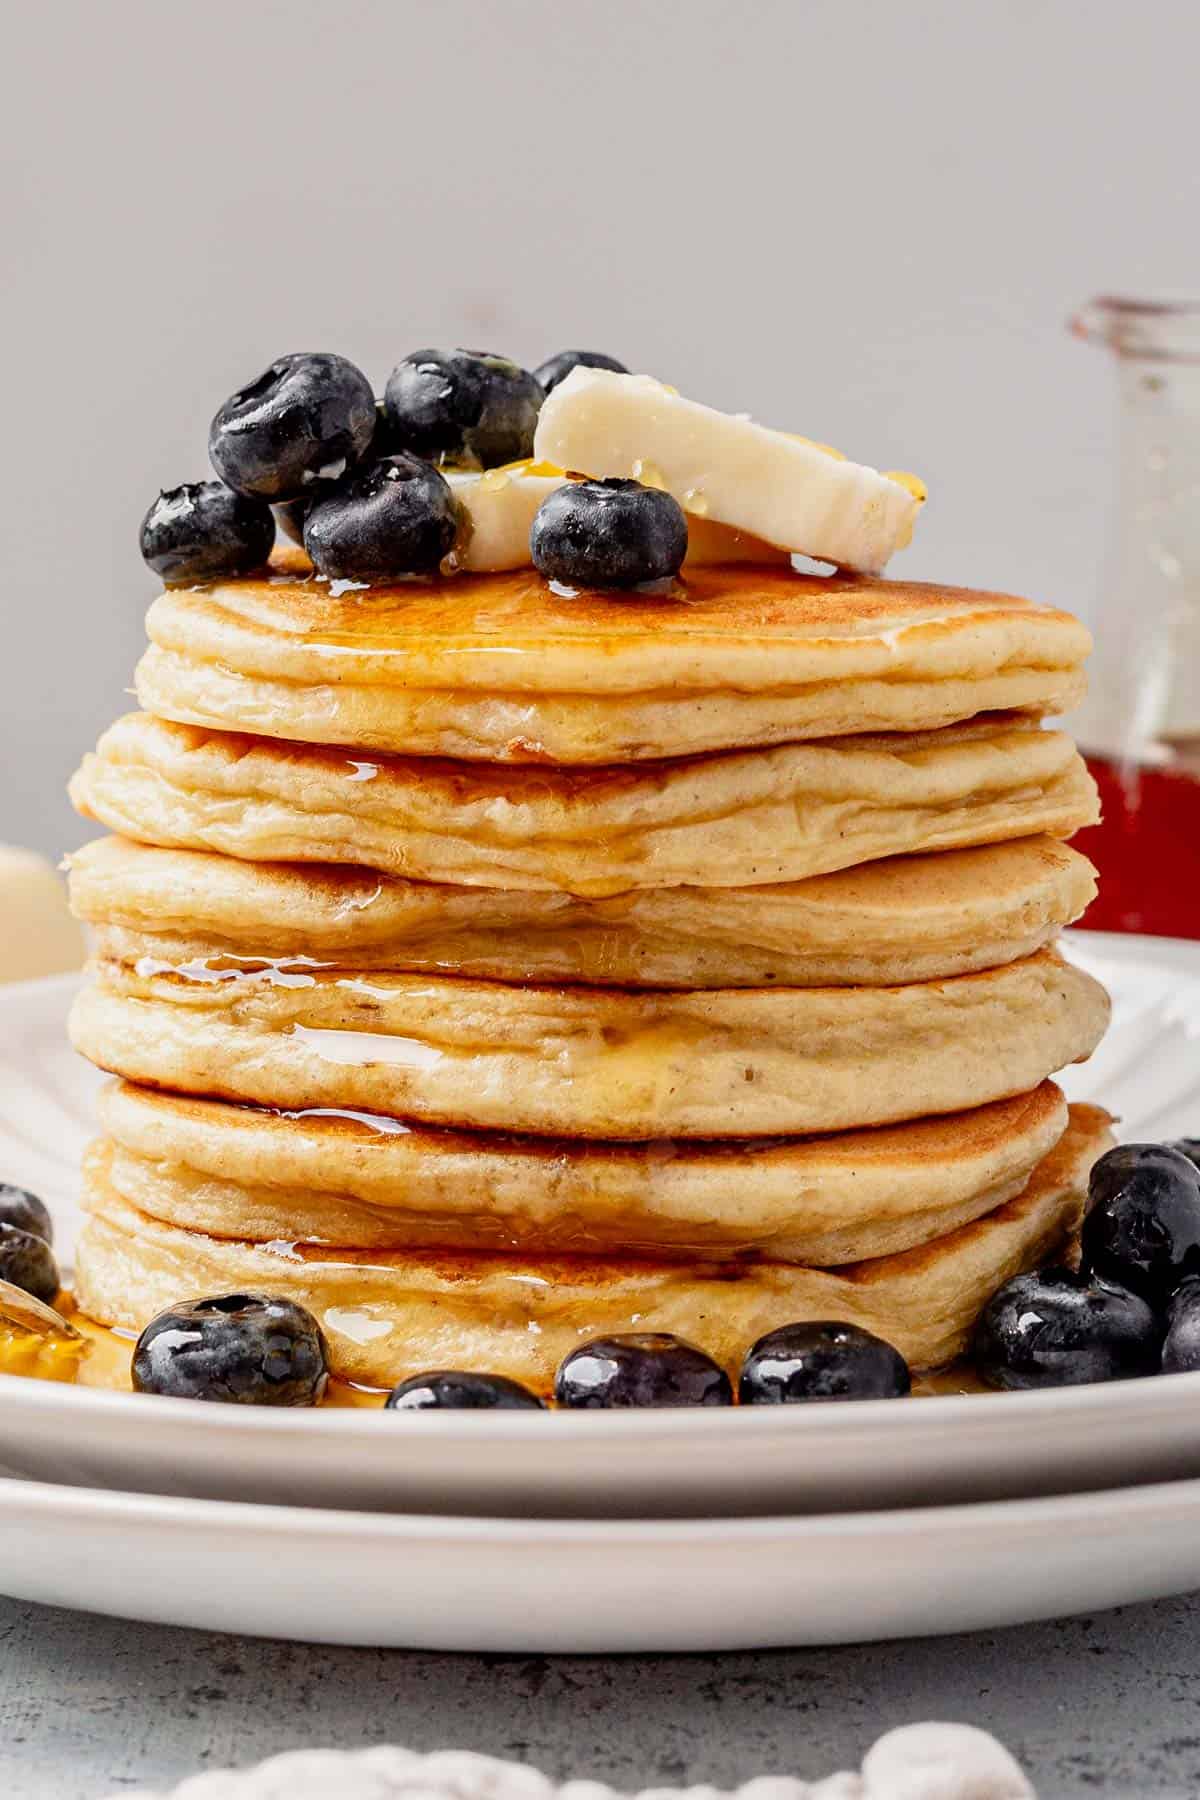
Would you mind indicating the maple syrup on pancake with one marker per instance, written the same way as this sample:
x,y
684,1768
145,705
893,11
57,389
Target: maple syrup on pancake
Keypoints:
x,y
514,613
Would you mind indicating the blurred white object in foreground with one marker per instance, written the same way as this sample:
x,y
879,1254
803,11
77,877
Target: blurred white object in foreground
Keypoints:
x,y
918,1762
38,936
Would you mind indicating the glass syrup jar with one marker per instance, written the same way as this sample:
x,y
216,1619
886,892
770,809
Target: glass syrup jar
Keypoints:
x,y
1140,725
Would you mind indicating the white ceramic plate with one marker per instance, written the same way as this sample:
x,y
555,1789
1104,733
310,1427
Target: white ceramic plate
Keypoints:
x,y
542,1586
639,1465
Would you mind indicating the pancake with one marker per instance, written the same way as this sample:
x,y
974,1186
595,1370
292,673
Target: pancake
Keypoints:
x,y
595,1062
906,919
389,1316
375,1182
738,820
503,669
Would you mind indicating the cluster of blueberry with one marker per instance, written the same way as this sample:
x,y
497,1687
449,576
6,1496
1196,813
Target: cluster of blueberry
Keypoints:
x,y
1133,1308
653,1368
359,481
254,1349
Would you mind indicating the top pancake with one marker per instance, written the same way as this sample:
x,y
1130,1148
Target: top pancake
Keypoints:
x,y
501,668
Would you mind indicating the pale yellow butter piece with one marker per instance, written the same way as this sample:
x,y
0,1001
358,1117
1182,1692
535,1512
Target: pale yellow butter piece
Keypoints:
x,y
802,497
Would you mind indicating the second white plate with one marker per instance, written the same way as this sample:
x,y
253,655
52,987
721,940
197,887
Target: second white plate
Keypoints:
x,y
594,1586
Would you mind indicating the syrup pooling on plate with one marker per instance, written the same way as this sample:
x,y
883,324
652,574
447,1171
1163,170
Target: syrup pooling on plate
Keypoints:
x,y
96,1356
36,1339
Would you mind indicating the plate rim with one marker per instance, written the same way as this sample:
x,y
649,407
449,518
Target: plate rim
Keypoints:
x,y
24,1393
178,1513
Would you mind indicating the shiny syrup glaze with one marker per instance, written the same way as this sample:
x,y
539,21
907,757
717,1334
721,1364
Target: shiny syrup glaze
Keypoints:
x,y
516,614
225,967
648,1044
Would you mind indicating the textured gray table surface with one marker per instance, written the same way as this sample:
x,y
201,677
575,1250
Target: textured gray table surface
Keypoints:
x,y
1105,1705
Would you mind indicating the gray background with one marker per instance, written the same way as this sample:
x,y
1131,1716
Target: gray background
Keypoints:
x,y
866,220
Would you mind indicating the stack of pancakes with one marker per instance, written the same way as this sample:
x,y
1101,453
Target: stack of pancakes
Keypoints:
x,y
488,968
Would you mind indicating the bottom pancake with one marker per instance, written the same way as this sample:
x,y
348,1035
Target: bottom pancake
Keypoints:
x,y
380,1183
389,1316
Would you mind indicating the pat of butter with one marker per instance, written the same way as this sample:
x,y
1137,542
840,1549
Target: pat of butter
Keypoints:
x,y
800,496
498,509
38,936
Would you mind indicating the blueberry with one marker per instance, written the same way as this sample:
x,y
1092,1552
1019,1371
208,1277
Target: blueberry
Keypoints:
x,y
557,368
647,1368
1189,1147
1058,1329
1181,1350
27,1261
21,1208
608,534
291,514
203,530
250,1349
822,1360
455,1388
1143,1228
1111,1173
308,418
464,405
396,517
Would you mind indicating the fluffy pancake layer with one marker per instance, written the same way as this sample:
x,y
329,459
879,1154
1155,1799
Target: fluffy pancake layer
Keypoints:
x,y
902,920
738,820
500,668
594,1062
389,1315
375,1182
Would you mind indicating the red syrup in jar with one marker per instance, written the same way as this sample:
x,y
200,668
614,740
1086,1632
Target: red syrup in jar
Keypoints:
x,y
1146,849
